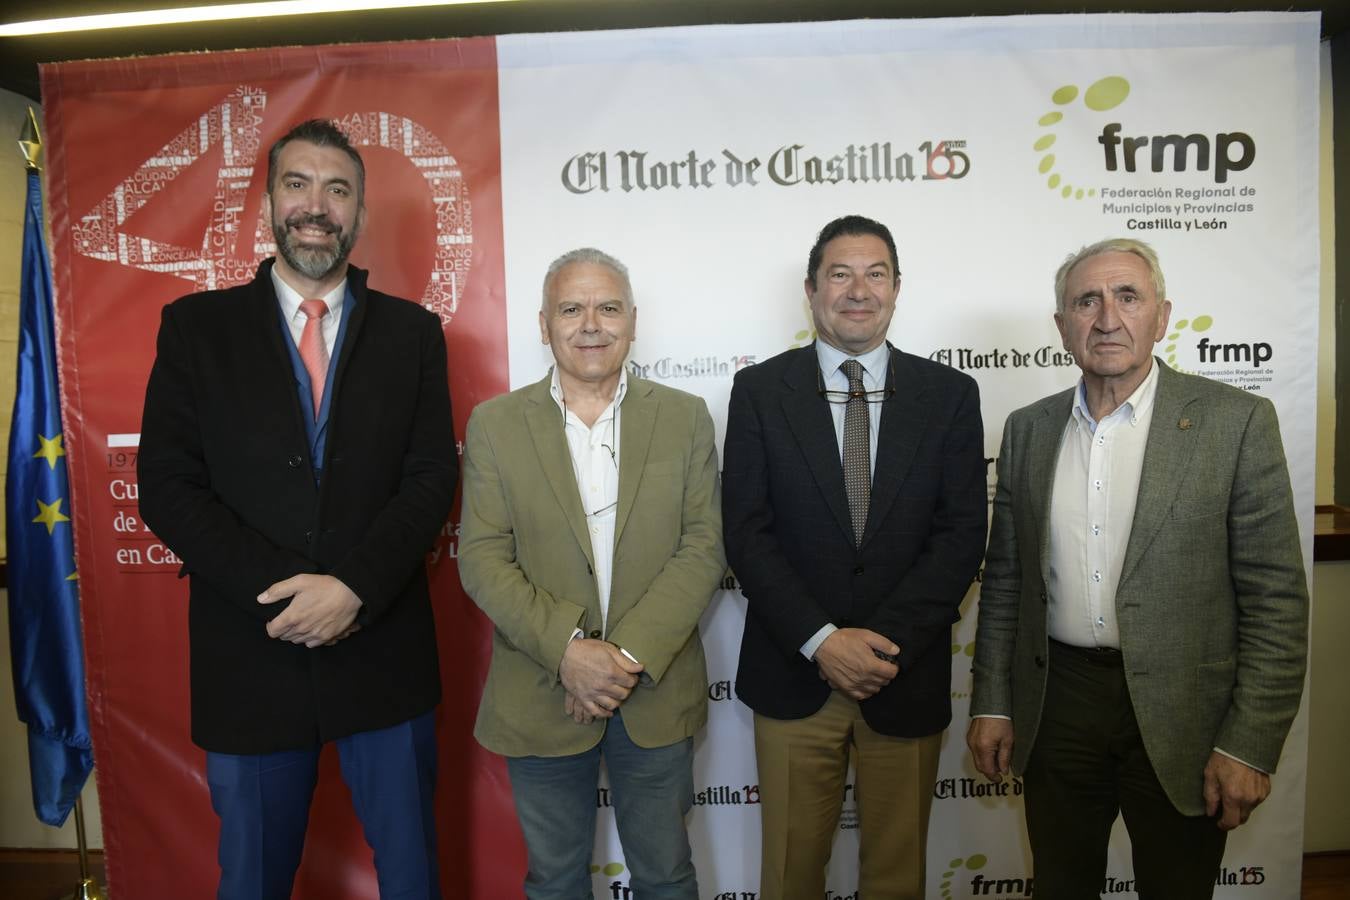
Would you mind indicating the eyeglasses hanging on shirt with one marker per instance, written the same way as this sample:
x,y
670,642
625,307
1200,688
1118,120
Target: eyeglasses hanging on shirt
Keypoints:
x,y
610,447
842,397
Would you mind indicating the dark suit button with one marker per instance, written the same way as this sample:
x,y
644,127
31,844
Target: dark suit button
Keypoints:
x,y
294,462
595,632
1044,599
1040,662
309,536
857,570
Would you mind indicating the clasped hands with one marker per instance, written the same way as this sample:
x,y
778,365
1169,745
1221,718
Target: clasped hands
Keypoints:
x,y
322,612
848,661
598,677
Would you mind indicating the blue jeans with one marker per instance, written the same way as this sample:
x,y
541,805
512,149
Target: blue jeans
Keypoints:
x,y
263,803
652,790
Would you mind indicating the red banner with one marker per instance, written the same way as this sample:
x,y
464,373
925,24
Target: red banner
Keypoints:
x,y
156,173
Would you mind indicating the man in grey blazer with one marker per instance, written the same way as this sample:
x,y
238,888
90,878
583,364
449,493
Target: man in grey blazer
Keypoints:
x,y
1143,617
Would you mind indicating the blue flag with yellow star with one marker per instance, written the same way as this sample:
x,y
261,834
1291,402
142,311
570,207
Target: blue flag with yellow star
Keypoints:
x,y
44,603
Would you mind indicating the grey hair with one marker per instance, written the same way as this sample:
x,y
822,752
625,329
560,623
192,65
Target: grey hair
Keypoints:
x,y
1110,245
594,257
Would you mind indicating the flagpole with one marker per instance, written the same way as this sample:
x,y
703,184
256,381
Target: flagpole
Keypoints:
x,y
30,142
89,888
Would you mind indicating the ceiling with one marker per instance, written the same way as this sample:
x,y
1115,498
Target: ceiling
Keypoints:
x,y
19,57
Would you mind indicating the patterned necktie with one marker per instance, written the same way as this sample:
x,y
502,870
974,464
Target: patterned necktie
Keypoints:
x,y
857,449
313,351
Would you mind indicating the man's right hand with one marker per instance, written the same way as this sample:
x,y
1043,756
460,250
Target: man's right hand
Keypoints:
x,y
598,676
990,740
847,661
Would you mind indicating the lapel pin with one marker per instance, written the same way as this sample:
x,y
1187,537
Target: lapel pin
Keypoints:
x,y
1184,424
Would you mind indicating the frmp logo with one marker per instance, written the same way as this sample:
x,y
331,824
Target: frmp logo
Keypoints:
x,y
1124,151
1197,324
968,650
1245,360
1102,95
1158,145
617,889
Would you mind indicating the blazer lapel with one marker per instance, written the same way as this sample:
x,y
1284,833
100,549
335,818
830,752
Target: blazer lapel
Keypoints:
x,y
349,332
904,417
637,421
808,415
545,423
264,319
1171,444
1047,432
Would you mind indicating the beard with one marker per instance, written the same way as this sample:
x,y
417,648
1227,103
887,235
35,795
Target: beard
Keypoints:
x,y
315,263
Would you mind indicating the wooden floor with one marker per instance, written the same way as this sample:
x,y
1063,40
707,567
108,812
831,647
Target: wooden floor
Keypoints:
x,y
54,875
1326,876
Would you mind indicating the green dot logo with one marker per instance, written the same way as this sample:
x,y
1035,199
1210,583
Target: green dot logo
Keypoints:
x,y
1199,325
802,338
969,651
972,863
608,869
1103,94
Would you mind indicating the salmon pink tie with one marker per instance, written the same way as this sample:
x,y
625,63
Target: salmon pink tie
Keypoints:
x,y
313,351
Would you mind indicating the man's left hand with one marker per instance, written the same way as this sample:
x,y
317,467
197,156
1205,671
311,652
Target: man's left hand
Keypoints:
x,y
577,710
848,661
1234,789
322,610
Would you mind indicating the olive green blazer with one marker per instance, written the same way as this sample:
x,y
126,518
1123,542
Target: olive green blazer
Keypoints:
x,y
525,559
1212,601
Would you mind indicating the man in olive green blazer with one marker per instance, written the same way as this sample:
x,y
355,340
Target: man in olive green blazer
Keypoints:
x,y
1148,661
592,537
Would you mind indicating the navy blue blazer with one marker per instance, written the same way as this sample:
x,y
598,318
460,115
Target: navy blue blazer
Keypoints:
x,y
790,540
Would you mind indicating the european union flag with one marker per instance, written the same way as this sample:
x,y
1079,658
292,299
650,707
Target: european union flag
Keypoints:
x,y
44,604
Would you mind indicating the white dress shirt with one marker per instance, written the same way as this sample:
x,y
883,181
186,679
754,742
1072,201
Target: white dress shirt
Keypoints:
x,y
290,302
876,364
595,463
1091,511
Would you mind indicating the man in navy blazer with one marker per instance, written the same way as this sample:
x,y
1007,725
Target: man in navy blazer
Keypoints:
x,y
854,509
299,457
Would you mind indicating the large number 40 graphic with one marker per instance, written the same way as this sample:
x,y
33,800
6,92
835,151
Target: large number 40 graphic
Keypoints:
x,y
224,257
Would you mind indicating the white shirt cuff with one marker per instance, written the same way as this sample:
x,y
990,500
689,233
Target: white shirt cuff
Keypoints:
x,y
1224,752
813,643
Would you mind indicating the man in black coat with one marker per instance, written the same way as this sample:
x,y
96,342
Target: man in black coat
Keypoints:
x,y
297,454
854,509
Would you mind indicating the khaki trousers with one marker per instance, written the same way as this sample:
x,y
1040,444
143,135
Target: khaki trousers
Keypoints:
x,y
803,764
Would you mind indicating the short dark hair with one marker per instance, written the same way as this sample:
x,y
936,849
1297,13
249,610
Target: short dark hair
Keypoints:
x,y
850,225
321,133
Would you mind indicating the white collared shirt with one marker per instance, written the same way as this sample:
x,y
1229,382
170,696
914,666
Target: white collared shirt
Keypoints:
x,y
876,364
295,319
1091,512
595,463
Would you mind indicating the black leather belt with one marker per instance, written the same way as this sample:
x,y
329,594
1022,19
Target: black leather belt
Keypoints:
x,y
1100,656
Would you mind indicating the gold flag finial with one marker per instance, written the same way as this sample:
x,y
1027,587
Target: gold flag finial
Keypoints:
x,y
30,142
